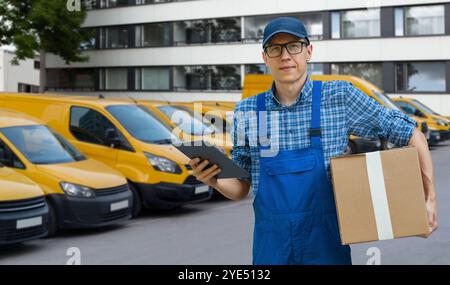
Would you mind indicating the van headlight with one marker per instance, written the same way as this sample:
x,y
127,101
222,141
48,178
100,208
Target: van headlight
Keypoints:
x,y
163,164
440,122
75,190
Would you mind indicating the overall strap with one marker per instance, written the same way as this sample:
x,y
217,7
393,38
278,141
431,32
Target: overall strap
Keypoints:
x,y
315,131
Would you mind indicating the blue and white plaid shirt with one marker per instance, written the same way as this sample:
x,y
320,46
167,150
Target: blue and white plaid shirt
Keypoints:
x,y
345,110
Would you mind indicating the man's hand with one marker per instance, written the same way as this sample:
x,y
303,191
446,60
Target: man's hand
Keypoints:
x,y
206,176
432,215
231,188
419,141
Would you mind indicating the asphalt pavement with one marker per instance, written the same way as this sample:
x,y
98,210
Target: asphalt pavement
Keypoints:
x,y
218,232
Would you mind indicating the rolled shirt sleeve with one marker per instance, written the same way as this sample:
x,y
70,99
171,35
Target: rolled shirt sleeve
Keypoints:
x,y
367,118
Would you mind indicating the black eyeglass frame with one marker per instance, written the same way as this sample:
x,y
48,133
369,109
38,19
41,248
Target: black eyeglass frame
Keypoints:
x,y
303,42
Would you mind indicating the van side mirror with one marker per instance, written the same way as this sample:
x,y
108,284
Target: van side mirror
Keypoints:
x,y
6,157
112,138
418,113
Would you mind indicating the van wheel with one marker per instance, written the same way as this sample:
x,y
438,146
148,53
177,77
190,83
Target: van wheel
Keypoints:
x,y
52,220
350,149
137,201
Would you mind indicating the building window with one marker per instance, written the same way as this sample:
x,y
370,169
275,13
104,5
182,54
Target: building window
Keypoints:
x,y
256,69
428,20
152,78
207,31
420,77
399,22
226,77
113,3
75,79
159,34
335,25
360,23
140,2
37,64
225,30
254,26
113,79
89,44
222,77
371,72
86,45
419,20
313,68
114,37
27,88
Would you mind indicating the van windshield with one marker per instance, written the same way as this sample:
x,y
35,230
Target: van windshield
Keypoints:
x,y
185,120
425,107
142,124
386,100
42,146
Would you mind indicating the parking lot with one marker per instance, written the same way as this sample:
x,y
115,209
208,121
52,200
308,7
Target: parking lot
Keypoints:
x,y
218,232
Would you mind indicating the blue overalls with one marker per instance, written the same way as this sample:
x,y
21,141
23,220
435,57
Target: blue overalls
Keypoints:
x,y
295,212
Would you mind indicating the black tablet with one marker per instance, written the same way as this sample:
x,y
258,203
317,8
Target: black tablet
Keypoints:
x,y
214,156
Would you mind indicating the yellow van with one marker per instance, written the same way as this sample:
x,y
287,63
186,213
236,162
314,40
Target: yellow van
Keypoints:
x,y
225,105
257,83
215,113
81,192
188,126
378,95
124,136
23,209
417,108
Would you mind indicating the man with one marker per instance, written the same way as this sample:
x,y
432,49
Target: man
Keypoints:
x,y
295,215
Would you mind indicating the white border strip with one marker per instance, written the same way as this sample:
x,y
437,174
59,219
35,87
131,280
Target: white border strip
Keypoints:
x,y
379,197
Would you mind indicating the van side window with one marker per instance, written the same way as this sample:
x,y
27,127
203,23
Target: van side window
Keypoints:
x,y
8,158
407,108
90,126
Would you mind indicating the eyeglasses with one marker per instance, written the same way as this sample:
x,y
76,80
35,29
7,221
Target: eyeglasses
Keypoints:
x,y
276,50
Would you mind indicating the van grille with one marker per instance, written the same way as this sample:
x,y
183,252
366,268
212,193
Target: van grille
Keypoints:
x,y
22,205
12,234
191,180
111,191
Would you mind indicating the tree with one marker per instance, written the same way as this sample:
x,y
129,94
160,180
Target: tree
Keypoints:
x,y
44,26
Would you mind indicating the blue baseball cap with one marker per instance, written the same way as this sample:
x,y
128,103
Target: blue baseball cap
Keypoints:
x,y
286,25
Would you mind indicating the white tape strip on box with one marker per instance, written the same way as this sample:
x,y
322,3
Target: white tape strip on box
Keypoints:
x,y
379,196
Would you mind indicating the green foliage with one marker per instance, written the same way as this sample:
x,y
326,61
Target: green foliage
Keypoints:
x,y
33,26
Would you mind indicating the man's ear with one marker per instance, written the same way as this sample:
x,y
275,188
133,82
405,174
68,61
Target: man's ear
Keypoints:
x,y
309,51
264,56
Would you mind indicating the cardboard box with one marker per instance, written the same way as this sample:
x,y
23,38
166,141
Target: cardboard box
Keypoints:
x,y
379,195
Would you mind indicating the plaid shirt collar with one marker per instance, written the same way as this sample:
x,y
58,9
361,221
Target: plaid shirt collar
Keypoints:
x,y
305,95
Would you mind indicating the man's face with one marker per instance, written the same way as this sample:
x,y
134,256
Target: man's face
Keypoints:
x,y
287,68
